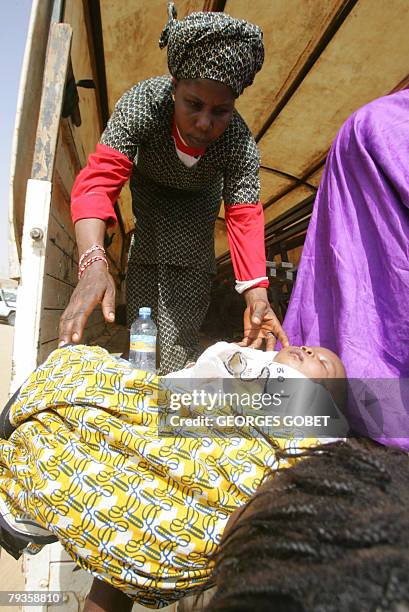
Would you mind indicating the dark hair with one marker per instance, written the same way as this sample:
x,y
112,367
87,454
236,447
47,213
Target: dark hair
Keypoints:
x,y
331,535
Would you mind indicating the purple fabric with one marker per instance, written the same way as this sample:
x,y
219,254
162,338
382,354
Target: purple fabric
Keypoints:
x,y
352,289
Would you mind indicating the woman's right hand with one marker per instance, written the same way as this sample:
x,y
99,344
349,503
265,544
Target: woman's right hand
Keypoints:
x,y
95,287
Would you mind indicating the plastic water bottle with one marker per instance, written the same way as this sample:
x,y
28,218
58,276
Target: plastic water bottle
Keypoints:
x,y
142,353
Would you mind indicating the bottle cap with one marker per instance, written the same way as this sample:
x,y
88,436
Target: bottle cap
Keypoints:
x,y
145,311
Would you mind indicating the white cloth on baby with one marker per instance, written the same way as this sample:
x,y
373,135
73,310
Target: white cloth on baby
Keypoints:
x,y
229,360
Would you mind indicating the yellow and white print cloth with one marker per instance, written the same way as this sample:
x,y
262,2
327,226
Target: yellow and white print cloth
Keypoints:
x,y
86,462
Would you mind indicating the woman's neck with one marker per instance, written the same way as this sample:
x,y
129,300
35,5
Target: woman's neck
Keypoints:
x,y
182,145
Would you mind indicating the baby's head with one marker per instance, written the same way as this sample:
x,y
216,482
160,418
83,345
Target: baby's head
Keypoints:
x,y
312,361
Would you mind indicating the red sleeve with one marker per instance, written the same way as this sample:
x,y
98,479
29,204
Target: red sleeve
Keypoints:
x,y
99,184
245,231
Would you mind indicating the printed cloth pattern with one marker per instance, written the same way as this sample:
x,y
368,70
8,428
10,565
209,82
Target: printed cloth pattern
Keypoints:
x,y
178,325
85,462
213,45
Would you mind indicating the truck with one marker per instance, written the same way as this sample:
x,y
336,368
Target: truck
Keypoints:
x,y
324,59
8,300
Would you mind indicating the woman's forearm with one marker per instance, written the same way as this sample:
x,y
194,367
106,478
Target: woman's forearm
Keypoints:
x,y
95,286
89,232
255,294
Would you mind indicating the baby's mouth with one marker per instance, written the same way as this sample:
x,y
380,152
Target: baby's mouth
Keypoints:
x,y
297,352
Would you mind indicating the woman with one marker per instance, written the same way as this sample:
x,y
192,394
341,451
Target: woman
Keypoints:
x,y
351,293
185,147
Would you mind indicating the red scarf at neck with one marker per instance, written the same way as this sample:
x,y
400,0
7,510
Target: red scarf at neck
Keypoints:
x,y
192,151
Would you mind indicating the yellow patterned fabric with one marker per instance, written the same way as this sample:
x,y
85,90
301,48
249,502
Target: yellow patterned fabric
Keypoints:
x,y
86,462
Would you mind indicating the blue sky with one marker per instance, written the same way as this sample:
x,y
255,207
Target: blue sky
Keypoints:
x,y
15,16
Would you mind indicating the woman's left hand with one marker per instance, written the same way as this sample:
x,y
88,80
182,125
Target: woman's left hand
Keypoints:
x,y
260,322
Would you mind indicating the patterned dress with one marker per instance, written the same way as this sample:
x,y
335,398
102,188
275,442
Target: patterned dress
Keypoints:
x,y
172,252
86,463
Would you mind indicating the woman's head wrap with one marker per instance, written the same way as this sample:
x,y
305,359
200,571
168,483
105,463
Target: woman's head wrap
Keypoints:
x,y
213,46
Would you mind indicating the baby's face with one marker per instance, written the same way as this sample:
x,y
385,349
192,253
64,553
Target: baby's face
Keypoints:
x,y
312,361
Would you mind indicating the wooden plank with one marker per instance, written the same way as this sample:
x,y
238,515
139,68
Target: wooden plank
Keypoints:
x,y
94,29
125,207
61,226
28,106
287,48
89,130
45,349
214,5
60,264
61,237
29,293
73,136
272,184
134,27
315,178
95,334
345,78
51,319
220,237
284,204
67,163
51,101
56,294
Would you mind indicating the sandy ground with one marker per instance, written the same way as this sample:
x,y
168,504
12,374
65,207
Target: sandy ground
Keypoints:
x,y
11,574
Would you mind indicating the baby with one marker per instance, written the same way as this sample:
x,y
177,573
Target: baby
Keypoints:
x,y
279,386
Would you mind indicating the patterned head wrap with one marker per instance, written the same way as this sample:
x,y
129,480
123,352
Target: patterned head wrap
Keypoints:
x,y
213,46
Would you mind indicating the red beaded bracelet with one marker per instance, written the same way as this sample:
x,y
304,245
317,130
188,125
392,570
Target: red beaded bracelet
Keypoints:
x,y
92,249
89,262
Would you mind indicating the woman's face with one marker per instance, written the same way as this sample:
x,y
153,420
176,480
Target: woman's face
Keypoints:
x,y
203,110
